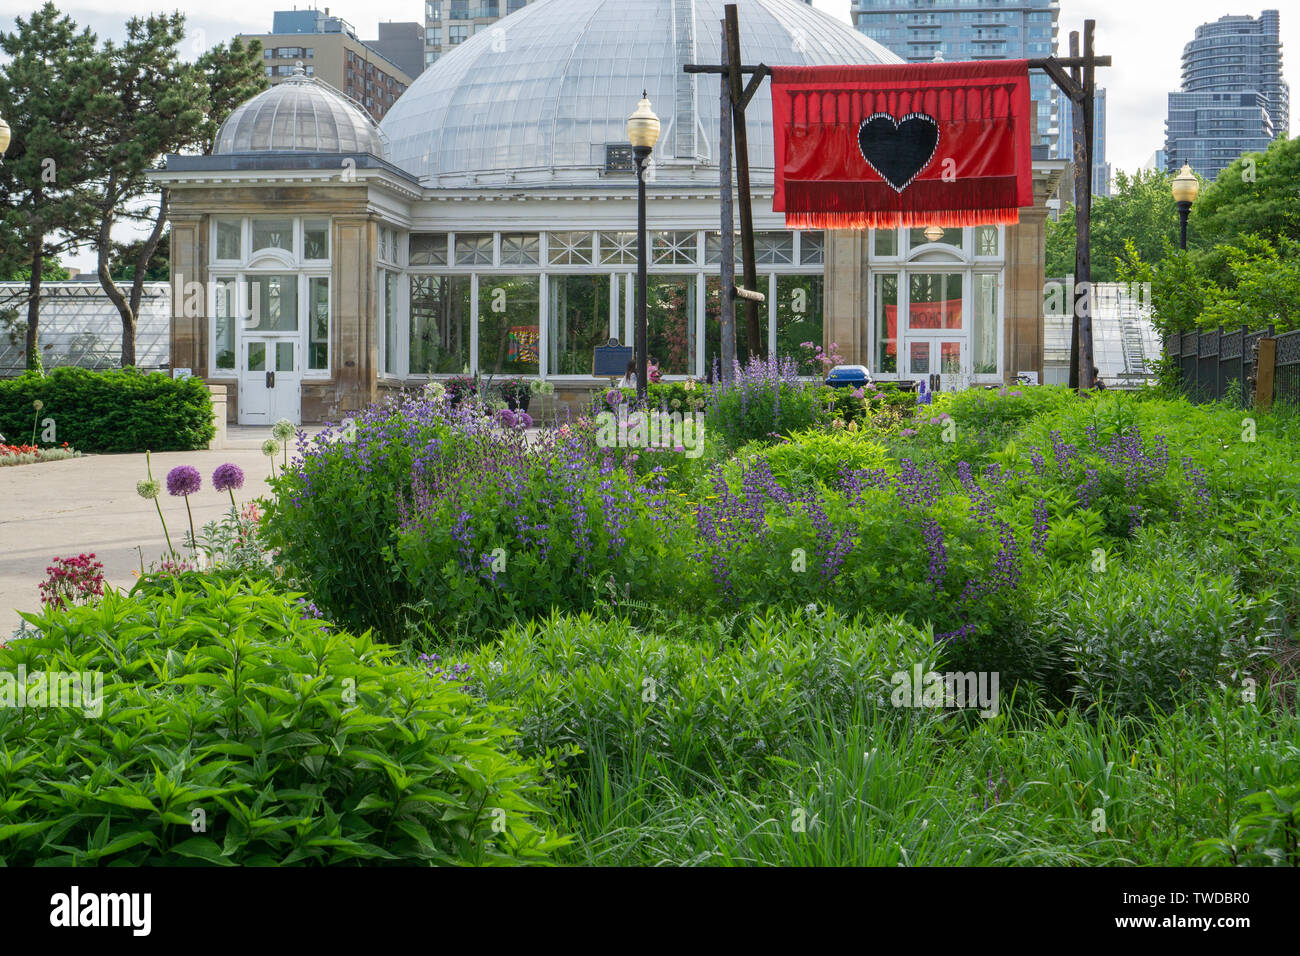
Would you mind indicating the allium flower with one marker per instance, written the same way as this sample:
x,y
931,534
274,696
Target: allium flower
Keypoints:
x,y
283,429
148,488
523,420
183,480
613,397
38,404
270,447
506,417
228,477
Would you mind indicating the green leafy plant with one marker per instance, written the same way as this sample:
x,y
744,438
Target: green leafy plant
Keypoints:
x,y
229,730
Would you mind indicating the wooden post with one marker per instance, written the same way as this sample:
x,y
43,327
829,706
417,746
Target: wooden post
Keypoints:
x,y
1081,355
736,84
727,302
1264,374
1087,359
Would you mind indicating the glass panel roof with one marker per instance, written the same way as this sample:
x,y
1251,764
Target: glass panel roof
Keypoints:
x,y
300,114
537,98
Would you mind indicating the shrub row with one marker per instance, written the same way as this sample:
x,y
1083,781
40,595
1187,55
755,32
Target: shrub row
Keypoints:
x,y
123,410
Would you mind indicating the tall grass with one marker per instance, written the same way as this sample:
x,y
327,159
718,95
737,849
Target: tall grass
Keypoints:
x,y
885,788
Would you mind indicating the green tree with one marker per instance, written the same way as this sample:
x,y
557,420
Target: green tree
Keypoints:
x,y
149,102
233,75
51,271
1265,287
126,258
45,87
1259,194
1140,211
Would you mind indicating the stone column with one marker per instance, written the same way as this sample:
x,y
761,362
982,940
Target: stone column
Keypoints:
x,y
845,317
1024,277
355,305
189,304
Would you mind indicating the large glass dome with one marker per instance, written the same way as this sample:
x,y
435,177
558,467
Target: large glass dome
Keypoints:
x,y
300,114
535,98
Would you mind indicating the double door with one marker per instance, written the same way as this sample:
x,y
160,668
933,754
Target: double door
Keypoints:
x,y
270,380
938,359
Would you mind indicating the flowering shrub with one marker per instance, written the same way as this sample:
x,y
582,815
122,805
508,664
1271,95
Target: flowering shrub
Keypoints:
x,y
73,581
766,398
884,540
687,396
234,543
30,454
493,526
403,523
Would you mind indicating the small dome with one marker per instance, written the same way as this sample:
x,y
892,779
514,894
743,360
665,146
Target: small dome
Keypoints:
x,y
537,97
300,114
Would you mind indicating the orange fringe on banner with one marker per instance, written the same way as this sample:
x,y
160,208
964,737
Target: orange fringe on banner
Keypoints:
x,y
893,219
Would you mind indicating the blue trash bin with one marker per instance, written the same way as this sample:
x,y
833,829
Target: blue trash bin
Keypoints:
x,y
848,376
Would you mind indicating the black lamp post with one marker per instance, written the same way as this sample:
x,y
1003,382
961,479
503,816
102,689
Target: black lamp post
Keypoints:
x,y
1186,187
643,132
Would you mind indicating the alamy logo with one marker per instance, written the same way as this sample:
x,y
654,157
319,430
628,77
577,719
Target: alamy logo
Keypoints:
x,y
931,689
74,909
672,431
83,691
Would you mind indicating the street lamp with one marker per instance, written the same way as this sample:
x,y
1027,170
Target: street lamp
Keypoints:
x,y
1186,187
643,132
4,138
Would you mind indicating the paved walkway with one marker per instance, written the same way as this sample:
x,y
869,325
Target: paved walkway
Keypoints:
x,y
63,508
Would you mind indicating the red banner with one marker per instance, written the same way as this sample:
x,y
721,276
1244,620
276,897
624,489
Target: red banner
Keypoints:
x,y
917,144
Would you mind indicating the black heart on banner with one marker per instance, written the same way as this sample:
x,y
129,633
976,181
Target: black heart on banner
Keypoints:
x,y
899,150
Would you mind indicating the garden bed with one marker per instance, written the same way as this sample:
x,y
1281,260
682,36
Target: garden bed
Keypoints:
x,y
745,646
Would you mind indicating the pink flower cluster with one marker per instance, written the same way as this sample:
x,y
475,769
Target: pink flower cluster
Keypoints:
x,y
73,581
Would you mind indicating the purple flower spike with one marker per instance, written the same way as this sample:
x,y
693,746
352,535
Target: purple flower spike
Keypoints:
x,y
228,477
183,481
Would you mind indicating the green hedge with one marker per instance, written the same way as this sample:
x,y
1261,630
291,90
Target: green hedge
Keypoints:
x,y
123,410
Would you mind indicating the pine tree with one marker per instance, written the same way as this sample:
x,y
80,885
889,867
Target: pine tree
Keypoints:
x,y
45,87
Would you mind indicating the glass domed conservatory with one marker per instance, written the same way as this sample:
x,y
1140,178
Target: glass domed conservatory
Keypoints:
x,y
489,225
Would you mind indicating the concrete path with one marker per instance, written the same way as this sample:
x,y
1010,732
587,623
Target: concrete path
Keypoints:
x,y
64,508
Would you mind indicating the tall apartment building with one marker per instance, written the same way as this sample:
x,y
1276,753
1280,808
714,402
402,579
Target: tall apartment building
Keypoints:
x,y
328,48
449,23
403,43
917,30
1233,98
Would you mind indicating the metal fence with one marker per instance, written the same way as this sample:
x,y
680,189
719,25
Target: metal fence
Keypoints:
x,y
80,326
1221,364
